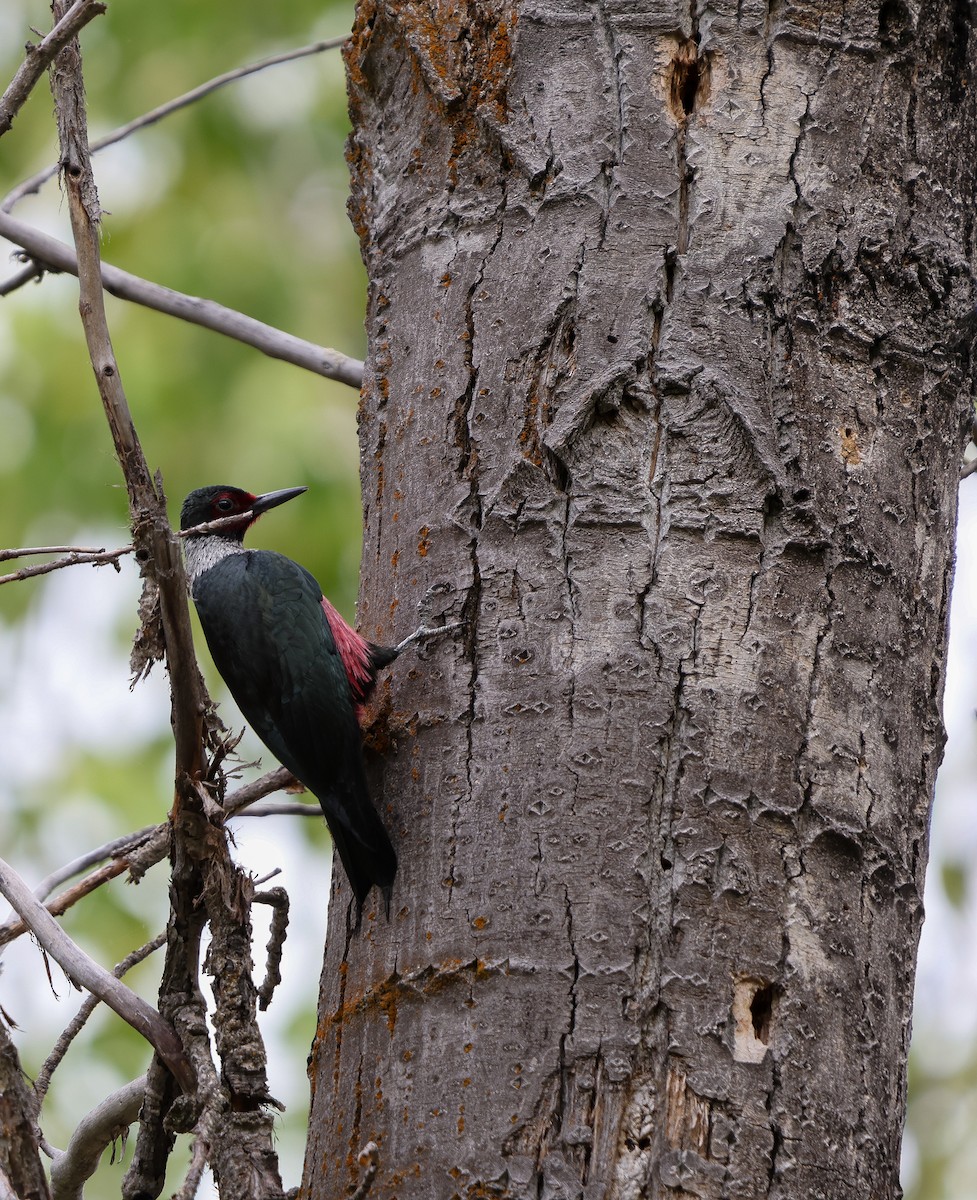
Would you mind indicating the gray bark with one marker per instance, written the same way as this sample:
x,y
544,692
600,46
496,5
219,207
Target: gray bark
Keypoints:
x,y
669,369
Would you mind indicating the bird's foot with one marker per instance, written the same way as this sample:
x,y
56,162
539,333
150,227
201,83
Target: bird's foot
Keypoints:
x,y
422,634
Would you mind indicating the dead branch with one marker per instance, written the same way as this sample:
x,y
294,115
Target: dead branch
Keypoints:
x,y
60,905
118,848
106,1122
77,1023
138,852
273,781
157,549
85,972
53,254
30,186
278,899
39,57
97,558
98,555
21,278
294,808
30,551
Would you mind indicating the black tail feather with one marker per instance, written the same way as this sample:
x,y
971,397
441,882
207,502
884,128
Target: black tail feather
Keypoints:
x,y
367,855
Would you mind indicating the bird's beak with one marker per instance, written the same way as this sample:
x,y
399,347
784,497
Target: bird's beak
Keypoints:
x,y
273,499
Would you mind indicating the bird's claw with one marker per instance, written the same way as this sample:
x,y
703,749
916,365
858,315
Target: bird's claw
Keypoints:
x,y
423,633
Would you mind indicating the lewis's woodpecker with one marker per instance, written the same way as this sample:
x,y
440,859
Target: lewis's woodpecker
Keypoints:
x,y
298,672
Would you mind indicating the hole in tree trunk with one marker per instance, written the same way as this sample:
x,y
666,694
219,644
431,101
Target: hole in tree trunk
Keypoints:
x,y
761,1010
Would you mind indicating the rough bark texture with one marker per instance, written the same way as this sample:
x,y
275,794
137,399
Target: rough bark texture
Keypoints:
x,y
20,1158
670,327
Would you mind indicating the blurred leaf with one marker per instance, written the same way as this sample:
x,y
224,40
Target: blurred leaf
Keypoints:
x,y
955,877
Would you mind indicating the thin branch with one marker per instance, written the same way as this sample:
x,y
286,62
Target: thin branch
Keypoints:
x,y
60,904
97,555
51,253
278,899
85,972
106,1122
29,551
22,277
40,57
117,848
77,1022
122,850
294,809
139,851
273,781
216,525
36,182
98,558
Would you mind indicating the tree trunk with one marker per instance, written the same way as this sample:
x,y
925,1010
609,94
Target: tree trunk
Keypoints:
x,y
669,322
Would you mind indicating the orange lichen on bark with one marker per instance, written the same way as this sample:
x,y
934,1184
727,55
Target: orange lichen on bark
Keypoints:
x,y
851,455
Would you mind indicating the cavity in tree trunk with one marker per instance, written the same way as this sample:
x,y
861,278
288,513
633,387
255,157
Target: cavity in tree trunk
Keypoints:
x,y
669,364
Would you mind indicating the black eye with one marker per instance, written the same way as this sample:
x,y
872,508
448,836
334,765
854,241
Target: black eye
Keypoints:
x,y
225,504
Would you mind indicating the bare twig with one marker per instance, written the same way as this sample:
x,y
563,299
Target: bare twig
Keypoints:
x,y
294,808
97,558
36,182
30,551
214,526
85,972
60,904
241,797
278,899
39,57
76,555
106,1122
423,633
118,848
968,468
77,1022
275,343
22,277
138,852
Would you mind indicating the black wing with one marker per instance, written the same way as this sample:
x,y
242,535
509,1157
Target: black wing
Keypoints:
x,y
263,620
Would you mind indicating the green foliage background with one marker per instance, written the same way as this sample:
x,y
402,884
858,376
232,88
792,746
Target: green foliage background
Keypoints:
x,y
239,198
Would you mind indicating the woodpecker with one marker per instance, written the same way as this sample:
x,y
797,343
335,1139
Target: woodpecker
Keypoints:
x,y
299,673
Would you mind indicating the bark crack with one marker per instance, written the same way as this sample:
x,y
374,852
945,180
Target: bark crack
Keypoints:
x,y
609,166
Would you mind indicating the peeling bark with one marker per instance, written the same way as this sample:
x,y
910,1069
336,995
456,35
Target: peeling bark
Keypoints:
x,y
20,1158
670,322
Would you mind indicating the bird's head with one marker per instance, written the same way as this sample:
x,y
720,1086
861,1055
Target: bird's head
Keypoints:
x,y
214,503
